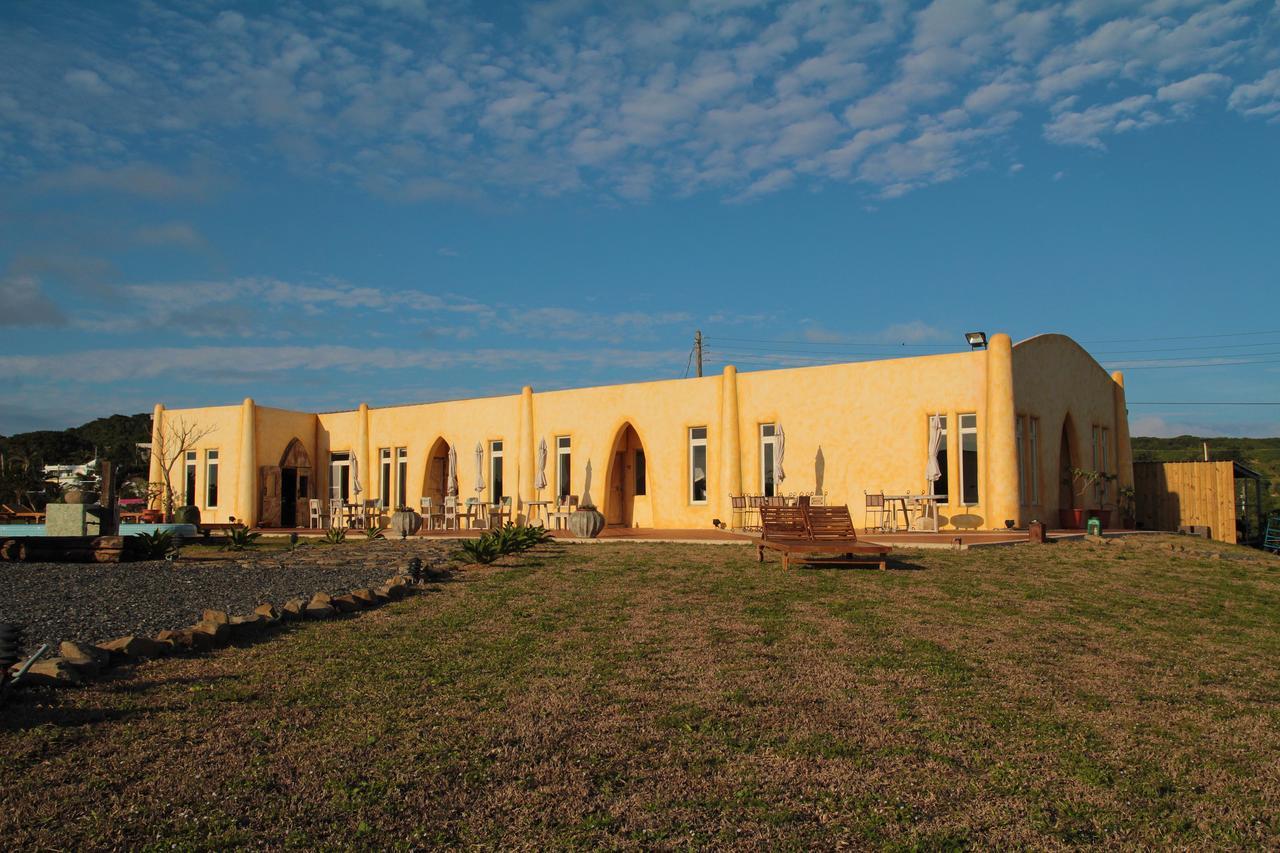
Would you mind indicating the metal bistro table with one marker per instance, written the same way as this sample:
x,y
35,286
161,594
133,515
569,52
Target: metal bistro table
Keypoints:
x,y
899,503
537,512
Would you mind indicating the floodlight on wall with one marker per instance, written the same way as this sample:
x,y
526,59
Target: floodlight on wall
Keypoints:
x,y
977,340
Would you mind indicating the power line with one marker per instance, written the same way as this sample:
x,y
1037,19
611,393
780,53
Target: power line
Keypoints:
x,y
1203,403
1183,337
1191,358
1181,366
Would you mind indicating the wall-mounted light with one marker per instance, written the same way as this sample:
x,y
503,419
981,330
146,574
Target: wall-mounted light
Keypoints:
x,y
977,340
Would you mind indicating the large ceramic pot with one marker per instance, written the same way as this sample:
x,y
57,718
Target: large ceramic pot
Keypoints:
x,y
187,515
1071,519
405,522
586,522
78,496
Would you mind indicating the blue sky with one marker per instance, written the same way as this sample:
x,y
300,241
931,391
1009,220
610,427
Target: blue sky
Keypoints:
x,y
319,204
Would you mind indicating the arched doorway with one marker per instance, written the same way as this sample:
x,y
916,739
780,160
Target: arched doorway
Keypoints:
x,y
1066,461
627,501
286,489
435,480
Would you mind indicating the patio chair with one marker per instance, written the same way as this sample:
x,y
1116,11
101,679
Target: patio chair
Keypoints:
x,y
373,513
337,513
500,513
316,517
875,510
737,512
449,514
472,512
565,506
428,514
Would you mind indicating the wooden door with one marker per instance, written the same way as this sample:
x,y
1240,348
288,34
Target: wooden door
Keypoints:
x,y
618,489
269,512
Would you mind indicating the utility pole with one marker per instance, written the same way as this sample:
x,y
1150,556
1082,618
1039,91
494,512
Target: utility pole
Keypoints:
x,y
697,349
1206,451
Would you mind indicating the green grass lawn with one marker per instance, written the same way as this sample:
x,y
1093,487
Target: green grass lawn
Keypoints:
x,y
680,695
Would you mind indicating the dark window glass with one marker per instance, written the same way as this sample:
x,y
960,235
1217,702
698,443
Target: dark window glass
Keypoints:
x,y
640,473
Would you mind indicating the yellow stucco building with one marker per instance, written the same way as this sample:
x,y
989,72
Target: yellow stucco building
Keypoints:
x,y
668,454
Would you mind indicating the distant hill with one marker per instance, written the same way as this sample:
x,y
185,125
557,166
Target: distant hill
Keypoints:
x,y
114,439
1260,454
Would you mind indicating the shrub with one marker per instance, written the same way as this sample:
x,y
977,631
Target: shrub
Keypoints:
x,y
372,533
239,538
153,546
511,539
483,550
335,536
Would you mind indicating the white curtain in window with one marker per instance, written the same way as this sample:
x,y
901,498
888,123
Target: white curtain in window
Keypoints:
x,y
779,445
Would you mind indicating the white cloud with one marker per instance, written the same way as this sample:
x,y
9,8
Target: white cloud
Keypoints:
x,y
170,234
87,81
1261,97
1087,127
1193,88
25,303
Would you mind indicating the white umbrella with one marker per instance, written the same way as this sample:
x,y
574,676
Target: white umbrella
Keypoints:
x,y
540,478
479,467
355,475
932,472
779,448
452,485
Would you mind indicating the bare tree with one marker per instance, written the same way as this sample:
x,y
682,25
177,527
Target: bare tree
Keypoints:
x,y
169,445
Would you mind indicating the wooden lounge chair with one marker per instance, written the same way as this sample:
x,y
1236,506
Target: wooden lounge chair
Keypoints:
x,y
815,529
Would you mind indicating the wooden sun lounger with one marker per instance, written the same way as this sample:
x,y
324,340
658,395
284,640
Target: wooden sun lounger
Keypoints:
x,y
815,530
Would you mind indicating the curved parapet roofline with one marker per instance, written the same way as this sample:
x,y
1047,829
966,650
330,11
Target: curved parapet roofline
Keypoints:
x,y
1054,337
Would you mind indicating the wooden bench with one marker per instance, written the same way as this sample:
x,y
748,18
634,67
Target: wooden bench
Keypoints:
x,y
815,530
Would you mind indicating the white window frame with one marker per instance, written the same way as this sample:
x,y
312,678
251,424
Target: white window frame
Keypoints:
x,y
1033,433
496,468
977,449
564,466
190,471
402,477
339,460
768,459
385,483
211,460
1019,437
694,443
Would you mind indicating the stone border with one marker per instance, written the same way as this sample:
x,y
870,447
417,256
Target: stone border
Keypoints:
x,y
77,663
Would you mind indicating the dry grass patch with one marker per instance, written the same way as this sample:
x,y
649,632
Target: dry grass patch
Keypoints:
x,y
677,695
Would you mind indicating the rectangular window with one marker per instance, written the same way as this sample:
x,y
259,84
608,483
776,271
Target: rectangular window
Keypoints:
x,y
384,475
969,459
1097,462
1023,492
340,476
698,465
768,453
211,478
402,476
189,495
940,486
495,471
641,479
564,471
1033,460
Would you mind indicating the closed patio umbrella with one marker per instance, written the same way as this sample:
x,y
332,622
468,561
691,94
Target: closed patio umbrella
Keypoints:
x,y
540,477
479,467
779,448
356,489
452,483
932,472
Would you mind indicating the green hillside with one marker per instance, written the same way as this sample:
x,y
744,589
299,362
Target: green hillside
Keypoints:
x,y
114,439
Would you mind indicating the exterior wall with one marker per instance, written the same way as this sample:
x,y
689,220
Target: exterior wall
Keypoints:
x,y
849,429
1056,381
1171,495
224,423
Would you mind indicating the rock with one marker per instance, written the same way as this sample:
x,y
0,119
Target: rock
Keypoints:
x,y
134,646
218,616
399,580
268,612
319,610
293,608
218,633
73,653
365,597
382,594
393,592
180,638
57,672
346,603
322,598
247,624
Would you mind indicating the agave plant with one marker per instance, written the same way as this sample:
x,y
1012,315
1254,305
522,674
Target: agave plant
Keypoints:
x,y
154,546
483,550
372,533
238,539
335,536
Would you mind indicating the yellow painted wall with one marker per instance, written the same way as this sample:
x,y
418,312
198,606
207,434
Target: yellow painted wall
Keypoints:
x,y
868,420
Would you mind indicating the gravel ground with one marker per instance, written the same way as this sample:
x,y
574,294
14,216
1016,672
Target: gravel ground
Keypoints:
x,y
96,602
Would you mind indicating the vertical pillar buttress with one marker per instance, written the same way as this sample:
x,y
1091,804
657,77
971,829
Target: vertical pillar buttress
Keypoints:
x,y
730,480
361,451
247,476
155,471
1124,450
1002,449
525,449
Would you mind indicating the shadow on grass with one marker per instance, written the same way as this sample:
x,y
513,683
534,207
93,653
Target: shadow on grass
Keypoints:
x,y
46,705
829,565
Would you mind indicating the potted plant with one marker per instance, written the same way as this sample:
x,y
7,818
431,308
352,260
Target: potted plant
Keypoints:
x,y
405,521
1083,479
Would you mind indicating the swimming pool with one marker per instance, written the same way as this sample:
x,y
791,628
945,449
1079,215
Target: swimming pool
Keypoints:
x,y
185,530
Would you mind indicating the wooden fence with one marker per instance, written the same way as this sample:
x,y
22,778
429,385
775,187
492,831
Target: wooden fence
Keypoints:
x,y
1169,495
